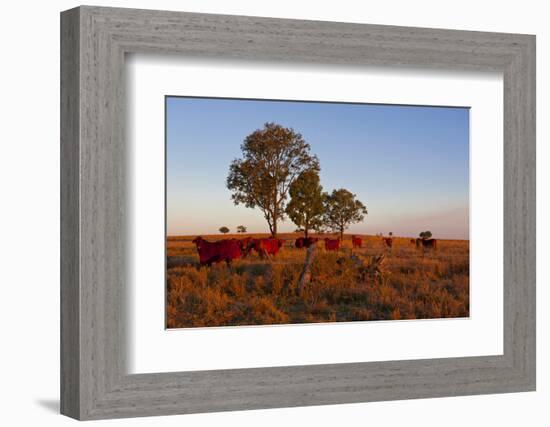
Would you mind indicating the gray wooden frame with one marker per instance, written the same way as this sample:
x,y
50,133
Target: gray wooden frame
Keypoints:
x,y
94,41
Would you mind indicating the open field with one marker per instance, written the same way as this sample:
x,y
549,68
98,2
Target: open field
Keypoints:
x,y
411,284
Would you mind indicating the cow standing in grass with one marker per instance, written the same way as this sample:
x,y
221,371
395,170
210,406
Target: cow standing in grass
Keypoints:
x,y
388,242
265,247
245,246
305,242
426,243
218,251
332,244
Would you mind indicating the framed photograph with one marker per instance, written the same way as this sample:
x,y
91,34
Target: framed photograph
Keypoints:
x,y
261,213
295,252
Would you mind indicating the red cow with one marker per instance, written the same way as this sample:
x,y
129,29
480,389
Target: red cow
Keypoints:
x,y
245,245
332,244
357,242
426,243
265,247
221,250
305,242
388,241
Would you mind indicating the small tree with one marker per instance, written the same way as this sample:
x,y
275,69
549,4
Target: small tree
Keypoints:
x,y
305,208
425,235
390,234
342,209
241,229
224,230
272,158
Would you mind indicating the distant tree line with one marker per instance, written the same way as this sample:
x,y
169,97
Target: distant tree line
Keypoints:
x,y
277,165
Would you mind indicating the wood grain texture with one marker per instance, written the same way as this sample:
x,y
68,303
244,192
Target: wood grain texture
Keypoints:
x,y
94,269
70,220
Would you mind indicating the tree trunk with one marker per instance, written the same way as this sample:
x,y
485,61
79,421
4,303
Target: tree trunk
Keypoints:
x,y
274,231
275,217
342,233
305,276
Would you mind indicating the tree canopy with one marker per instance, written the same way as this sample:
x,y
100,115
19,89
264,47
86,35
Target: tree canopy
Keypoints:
x,y
343,209
425,235
224,230
272,158
241,229
306,208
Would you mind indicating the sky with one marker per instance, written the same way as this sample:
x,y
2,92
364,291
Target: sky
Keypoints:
x,y
408,164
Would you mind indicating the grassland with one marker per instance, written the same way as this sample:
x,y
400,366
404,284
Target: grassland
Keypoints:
x,y
410,284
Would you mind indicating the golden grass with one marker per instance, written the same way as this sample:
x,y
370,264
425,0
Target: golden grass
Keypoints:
x,y
253,291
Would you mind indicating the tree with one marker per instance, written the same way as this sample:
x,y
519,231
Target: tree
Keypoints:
x,y
425,235
241,229
305,208
343,209
272,158
391,234
224,230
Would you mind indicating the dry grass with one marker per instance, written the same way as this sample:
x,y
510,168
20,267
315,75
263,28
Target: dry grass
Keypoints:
x,y
414,285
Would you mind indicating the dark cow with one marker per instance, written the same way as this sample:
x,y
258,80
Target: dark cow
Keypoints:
x,y
357,242
305,242
265,247
245,245
221,250
387,241
332,244
426,243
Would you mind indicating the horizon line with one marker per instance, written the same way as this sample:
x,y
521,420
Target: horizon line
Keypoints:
x,y
314,233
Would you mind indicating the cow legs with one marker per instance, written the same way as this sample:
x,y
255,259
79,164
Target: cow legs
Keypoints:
x,y
263,253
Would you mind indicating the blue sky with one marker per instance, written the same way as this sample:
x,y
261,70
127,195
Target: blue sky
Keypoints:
x,y
408,164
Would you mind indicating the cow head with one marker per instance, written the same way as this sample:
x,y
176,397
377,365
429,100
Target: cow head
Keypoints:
x,y
246,245
198,241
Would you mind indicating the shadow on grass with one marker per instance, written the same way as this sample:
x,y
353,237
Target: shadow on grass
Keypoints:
x,y
181,261
253,269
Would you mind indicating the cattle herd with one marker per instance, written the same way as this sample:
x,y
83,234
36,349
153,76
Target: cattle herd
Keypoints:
x,y
230,249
